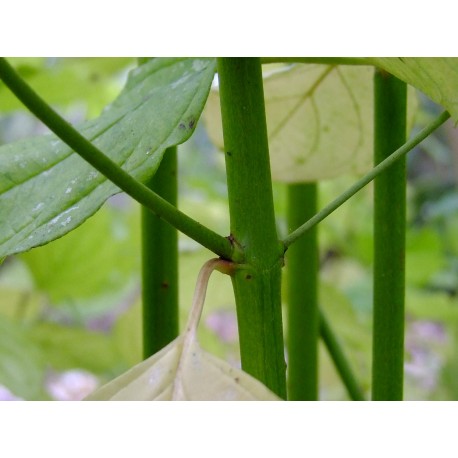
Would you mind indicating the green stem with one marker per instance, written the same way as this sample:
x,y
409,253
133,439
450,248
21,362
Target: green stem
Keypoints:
x,y
389,240
302,266
257,285
209,239
317,60
160,263
338,357
385,164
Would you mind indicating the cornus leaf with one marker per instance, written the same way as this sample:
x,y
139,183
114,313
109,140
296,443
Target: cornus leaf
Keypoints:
x,y
46,190
182,371
319,120
437,77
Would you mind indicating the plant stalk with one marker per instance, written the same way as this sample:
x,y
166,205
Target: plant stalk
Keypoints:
x,y
257,286
90,153
340,361
160,263
366,179
390,98
302,266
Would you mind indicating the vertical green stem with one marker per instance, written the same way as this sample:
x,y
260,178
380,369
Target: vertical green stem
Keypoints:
x,y
302,263
340,362
389,240
257,286
160,263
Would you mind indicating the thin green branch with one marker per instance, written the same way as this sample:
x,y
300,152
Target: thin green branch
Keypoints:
x,y
138,191
366,179
317,60
340,361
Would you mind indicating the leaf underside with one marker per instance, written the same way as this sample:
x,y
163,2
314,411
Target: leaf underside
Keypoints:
x,y
437,77
319,121
202,377
46,189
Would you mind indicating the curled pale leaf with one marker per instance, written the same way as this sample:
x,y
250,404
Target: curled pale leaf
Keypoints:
x,y
182,371
319,121
202,377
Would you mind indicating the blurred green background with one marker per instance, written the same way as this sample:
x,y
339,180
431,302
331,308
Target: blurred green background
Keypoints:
x,y
70,310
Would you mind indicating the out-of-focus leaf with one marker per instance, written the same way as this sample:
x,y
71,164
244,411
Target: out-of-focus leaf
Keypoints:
x,y
98,257
423,256
319,121
176,375
437,77
63,81
127,334
22,365
431,306
68,347
46,190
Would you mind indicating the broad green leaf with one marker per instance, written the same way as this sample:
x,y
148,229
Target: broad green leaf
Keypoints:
x,y
437,77
64,81
176,375
68,347
46,190
98,257
22,366
319,121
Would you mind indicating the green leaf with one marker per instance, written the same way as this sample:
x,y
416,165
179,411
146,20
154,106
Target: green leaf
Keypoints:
x,y
22,365
96,258
437,77
319,120
46,190
64,81
431,306
74,347
424,256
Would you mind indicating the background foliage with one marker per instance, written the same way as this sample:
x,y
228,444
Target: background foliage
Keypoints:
x,y
70,310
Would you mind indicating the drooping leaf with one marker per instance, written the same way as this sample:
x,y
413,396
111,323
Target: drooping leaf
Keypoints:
x,y
201,377
437,77
319,121
46,190
182,371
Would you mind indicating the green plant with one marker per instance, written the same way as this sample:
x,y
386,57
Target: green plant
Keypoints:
x,y
319,127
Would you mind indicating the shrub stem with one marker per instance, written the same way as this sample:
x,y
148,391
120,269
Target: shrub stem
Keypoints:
x,y
257,285
160,263
389,240
302,266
